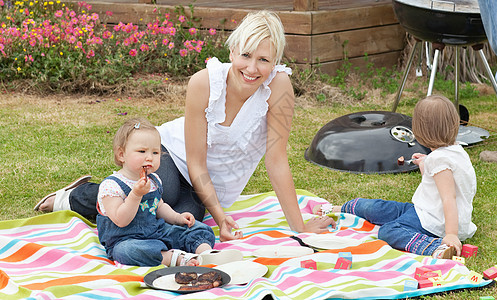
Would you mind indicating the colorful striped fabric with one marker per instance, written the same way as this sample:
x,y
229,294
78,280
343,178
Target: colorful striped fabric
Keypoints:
x,y
58,255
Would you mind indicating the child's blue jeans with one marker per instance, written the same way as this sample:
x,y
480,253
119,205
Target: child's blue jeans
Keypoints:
x,y
400,225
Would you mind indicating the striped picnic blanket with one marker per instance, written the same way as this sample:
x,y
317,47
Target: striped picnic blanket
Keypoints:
x,y
58,255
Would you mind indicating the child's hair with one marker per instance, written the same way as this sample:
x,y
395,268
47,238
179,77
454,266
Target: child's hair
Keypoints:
x,y
255,27
435,122
123,133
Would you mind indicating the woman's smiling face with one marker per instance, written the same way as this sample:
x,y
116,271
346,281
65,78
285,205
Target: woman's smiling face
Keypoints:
x,y
253,68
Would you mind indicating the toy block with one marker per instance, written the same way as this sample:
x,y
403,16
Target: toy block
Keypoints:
x,y
437,281
346,255
490,273
423,283
424,273
343,264
410,285
469,250
474,277
459,259
309,264
487,298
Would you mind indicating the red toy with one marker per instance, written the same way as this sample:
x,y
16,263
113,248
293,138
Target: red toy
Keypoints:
x,y
309,264
343,264
469,250
424,273
490,273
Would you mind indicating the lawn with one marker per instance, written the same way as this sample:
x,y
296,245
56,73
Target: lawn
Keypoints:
x,y
48,141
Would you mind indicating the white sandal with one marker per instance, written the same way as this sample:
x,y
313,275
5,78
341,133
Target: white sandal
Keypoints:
x,y
184,260
219,257
62,194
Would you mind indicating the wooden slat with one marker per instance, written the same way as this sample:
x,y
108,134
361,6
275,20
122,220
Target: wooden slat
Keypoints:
x,y
305,5
328,47
389,60
352,18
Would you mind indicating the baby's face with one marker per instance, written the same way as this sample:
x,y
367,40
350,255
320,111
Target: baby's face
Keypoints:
x,y
142,151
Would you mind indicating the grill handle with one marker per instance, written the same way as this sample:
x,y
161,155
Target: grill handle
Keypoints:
x,y
446,2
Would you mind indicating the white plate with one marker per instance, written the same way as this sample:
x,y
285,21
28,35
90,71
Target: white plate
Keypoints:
x,y
243,271
330,241
282,251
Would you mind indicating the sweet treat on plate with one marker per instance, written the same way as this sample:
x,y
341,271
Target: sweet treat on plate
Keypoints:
x,y
400,160
191,281
211,277
196,287
185,277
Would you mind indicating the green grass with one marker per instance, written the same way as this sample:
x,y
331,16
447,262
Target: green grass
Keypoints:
x,y
47,142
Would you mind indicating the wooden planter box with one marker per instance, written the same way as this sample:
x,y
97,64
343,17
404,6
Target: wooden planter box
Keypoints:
x,y
320,34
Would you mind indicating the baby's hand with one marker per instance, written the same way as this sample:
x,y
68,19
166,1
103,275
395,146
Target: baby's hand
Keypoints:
x,y
142,186
187,219
453,240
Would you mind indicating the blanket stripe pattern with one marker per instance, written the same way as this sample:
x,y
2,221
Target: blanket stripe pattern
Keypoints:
x,y
58,256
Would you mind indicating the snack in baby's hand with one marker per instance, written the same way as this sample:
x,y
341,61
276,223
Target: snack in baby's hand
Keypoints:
x,y
143,173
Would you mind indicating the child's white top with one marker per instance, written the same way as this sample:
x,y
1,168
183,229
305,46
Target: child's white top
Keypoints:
x,y
233,151
427,201
111,188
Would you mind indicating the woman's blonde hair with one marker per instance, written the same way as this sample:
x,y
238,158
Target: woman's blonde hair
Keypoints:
x,y
435,122
256,27
122,135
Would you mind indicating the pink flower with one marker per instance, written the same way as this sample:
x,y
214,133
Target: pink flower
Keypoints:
x,y
172,31
1,3
107,34
144,47
165,41
198,48
182,18
90,54
109,13
212,31
133,52
72,14
207,59
171,45
192,30
183,52
58,13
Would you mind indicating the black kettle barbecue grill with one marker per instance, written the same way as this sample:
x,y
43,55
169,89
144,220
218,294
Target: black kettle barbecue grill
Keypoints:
x,y
372,141
455,23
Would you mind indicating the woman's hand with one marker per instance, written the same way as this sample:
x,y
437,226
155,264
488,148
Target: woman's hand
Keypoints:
x,y
225,228
319,224
453,240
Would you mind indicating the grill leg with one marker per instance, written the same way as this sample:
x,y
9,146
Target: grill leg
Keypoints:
x,y
487,69
406,73
456,79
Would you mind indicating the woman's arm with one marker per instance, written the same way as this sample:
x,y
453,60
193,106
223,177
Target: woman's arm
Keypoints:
x,y
197,100
279,121
447,190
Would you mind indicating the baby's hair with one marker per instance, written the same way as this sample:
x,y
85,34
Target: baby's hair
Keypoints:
x,y
435,122
254,28
122,135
